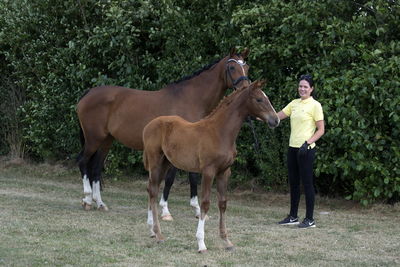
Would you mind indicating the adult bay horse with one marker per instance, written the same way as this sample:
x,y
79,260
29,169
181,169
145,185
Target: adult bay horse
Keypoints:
x,y
109,112
207,146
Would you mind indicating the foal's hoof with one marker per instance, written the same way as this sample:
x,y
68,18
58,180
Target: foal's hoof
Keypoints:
x,y
86,206
102,208
167,217
202,251
206,217
160,241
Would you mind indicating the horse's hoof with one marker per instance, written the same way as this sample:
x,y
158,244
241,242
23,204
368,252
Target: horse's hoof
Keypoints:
x,y
202,251
86,206
103,208
231,248
160,241
206,218
167,218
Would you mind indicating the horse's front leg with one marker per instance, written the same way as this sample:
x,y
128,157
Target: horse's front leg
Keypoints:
x,y
194,202
222,182
205,205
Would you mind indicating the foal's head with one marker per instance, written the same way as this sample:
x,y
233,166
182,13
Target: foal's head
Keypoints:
x,y
237,69
259,105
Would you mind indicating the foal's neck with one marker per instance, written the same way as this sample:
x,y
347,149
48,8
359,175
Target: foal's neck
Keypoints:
x,y
228,119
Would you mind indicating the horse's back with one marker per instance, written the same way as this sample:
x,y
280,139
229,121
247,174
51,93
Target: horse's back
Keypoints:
x,y
120,112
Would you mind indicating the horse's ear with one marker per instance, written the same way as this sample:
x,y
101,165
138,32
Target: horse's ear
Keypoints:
x,y
233,51
245,53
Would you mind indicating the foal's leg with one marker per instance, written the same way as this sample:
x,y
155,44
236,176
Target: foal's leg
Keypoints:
x,y
169,180
156,174
194,202
222,182
208,176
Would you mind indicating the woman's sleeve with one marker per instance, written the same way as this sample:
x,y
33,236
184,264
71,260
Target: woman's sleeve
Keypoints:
x,y
288,109
318,113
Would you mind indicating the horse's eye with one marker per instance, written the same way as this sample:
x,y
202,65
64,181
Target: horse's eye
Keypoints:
x,y
231,68
259,100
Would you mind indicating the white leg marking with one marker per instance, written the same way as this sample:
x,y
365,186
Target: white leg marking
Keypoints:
x,y
150,222
96,194
86,185
194,202
87,190
164,206
200,235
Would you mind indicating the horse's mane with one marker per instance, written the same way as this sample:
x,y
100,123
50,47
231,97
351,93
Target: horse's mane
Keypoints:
x,y
225,101
196,73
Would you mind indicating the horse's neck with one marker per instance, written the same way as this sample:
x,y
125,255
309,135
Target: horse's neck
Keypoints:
x,y
229,119
209,86
204,91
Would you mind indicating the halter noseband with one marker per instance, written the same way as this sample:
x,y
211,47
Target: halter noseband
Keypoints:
x,y
241,78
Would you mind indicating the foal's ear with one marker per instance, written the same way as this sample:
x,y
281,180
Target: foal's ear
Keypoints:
x,y
259,84
245,53
233,51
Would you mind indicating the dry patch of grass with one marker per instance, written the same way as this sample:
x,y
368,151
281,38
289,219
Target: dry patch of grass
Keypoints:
x,y
42,223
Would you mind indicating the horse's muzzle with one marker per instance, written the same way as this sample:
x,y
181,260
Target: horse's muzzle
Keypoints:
x,y
273,122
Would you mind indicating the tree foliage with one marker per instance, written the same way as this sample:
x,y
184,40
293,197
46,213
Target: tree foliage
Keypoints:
x,y
52,51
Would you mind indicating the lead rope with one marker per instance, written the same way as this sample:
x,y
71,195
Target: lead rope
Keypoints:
x,y
248,119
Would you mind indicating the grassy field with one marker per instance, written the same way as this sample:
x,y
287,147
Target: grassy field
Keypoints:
x,y
42,224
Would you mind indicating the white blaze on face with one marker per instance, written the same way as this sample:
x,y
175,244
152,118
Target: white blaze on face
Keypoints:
x,y
267,98
241,64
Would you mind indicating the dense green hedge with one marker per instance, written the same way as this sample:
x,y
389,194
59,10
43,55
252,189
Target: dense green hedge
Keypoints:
x,y
52,51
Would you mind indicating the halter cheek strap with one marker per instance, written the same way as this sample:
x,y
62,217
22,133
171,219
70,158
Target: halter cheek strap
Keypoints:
x,y
241,78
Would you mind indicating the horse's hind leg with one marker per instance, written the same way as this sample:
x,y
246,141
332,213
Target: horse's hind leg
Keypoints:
x,y
194,202
98,164
156,174
169,180
222,182
84,167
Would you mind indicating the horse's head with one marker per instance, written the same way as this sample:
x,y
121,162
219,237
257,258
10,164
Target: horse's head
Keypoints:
x,y
237,69
260,106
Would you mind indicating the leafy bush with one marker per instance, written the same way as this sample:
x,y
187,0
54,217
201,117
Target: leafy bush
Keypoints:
x,y
52,51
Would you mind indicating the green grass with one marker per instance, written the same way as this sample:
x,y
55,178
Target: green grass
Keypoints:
x,y
42,223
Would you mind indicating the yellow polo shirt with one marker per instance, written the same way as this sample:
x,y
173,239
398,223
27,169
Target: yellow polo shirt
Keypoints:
x,y
303,115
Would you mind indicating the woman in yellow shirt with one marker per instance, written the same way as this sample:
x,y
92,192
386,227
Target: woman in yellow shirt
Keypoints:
x,y
306,127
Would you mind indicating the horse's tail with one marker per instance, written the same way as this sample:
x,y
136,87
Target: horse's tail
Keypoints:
x,y
82,139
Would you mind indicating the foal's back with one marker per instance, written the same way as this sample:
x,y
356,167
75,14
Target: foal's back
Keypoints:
x,y
182,142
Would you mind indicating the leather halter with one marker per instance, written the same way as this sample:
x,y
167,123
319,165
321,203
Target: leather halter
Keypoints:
x,y
241,78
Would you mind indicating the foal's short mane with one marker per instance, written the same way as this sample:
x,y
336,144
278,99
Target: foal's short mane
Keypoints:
x,y
225,101
196,73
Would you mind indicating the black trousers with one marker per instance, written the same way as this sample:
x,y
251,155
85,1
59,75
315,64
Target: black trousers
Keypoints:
x,y
301,169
